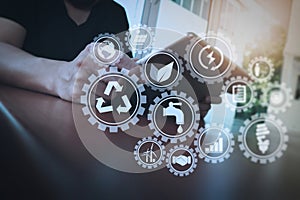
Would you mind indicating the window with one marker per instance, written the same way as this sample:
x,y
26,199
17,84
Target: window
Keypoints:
x,y
205,9
229,17
198,7
177,1
187,4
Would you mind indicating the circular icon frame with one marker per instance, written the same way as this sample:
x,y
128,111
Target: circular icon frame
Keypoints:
x,y
151,72
192,128
139,40
208,72
86,99
222,131
248,101
271,157
158,161
113,40
192,158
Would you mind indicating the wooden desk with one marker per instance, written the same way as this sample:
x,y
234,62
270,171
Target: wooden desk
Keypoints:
x,y
48,160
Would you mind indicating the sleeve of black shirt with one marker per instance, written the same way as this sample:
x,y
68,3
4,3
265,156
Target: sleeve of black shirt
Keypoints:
x,y
126,26
123,26
120,14
19,11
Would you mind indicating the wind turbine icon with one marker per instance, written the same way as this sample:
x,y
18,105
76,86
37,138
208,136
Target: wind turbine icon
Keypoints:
x,y
149,154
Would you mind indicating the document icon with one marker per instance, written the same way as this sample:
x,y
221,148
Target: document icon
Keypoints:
x,y
239,93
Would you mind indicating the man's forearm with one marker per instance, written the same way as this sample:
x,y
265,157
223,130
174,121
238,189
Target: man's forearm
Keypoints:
x,y
22,69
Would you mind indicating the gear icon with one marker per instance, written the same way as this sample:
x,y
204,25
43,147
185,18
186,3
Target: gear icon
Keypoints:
x,y
166,106
139,38
262,127
88,109
213,151
181,160
277,97
211,59
107,49
240,87
166,77
148,158
257,69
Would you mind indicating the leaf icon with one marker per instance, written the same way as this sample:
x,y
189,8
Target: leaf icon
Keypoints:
x,y
162,74
153,72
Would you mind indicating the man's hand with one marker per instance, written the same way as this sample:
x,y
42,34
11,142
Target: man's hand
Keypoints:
x,y
73,74
69,72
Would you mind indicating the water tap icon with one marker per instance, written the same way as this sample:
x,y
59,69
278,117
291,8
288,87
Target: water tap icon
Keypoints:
x,y
171,110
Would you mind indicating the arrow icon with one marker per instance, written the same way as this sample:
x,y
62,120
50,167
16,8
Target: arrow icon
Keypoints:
x,y
101,109
110,86
127,105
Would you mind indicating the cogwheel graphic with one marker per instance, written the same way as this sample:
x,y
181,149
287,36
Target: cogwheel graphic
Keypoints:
x,y
277,97
149,158
166,106
107,49
139,38
217,148
217,67
181,160
257,69
261,128
87,97
240,88
169,74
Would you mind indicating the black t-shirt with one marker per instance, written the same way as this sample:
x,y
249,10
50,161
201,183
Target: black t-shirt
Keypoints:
x,y
51,33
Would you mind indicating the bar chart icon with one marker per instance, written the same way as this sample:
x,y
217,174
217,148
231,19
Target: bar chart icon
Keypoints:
x,y
215,146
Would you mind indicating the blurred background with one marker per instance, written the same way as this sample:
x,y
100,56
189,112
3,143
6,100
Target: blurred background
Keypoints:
x,y
267,28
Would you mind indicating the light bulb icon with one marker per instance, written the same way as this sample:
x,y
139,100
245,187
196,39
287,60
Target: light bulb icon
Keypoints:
x,y
261,132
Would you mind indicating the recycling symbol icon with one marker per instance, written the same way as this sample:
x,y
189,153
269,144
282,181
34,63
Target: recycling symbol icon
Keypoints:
x,y
113,99
120,109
